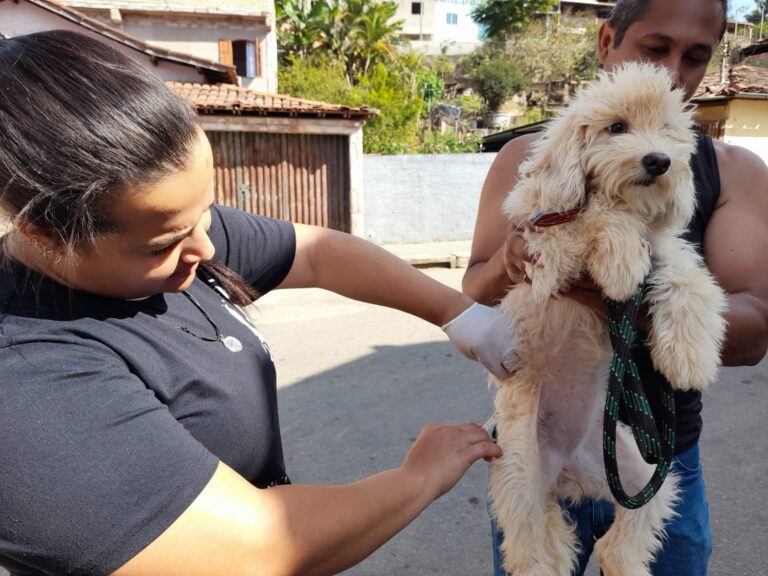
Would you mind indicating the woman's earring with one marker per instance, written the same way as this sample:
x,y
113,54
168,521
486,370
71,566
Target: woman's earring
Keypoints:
x,y
53,256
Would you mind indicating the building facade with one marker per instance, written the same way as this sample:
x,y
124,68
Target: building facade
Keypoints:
x,y
274,155
237,32
734,107
440,26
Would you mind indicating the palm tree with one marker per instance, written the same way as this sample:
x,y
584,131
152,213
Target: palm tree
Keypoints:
x,y
358,33
500,18
373,35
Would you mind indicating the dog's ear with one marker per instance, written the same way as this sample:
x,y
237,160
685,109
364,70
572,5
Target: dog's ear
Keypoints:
x,y
556,169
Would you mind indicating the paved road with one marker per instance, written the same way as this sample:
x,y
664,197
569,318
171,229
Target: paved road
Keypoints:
x,y
358,382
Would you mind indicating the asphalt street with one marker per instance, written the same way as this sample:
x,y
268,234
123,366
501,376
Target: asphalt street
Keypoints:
x,y
357,383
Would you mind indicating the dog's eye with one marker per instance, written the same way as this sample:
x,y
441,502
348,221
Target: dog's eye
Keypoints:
x,y
617,128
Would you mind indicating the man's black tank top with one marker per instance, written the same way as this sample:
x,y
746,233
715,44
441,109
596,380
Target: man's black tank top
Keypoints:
x,y
707,180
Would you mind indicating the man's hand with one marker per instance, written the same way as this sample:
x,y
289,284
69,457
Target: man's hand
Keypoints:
x,y
516,255
586,292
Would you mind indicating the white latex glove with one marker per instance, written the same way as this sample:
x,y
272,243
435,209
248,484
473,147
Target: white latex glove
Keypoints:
x,y
483,333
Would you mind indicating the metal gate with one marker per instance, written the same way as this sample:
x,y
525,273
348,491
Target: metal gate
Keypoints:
x,y
303,178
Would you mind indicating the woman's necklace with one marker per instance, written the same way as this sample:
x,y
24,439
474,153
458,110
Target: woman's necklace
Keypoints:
x,y
230,342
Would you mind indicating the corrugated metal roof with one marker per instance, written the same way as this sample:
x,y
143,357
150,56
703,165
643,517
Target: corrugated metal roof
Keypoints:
x,y
230,99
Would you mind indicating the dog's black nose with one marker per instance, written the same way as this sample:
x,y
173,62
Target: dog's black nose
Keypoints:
x,y
656,164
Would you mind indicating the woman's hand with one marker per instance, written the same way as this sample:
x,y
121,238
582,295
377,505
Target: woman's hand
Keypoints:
x,y
484,334
443,453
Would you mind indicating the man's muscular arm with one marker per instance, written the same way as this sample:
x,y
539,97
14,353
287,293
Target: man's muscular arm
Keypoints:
x,y
498,253
735,249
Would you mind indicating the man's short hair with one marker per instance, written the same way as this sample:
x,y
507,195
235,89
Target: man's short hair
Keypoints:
x,y
627,12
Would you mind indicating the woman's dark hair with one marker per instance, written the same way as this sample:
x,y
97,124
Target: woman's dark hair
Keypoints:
x,y
627,12
79,124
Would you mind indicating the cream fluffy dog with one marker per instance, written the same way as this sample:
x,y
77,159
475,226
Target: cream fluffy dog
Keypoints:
x,y
622,151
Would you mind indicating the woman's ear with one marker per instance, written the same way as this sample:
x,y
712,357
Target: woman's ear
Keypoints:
x,y
36,234
556,169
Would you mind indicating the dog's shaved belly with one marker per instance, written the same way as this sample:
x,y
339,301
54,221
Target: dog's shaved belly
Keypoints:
x,y
569,373
569,405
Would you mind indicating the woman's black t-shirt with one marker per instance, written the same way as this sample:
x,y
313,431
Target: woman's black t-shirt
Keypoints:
x,y
113,419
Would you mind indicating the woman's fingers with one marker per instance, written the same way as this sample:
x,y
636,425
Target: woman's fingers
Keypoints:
x,y
443,453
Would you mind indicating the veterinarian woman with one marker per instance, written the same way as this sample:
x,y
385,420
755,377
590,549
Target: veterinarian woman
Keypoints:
x,y
138,417
730,227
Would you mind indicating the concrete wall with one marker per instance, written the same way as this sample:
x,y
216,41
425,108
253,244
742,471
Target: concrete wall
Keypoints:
x,y
422,198
747,126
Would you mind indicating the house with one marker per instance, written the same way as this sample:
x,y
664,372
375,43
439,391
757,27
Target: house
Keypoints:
x,y
583,13
274,155
236,32
735,108
439,26
739,33
577,15
28,16
284,157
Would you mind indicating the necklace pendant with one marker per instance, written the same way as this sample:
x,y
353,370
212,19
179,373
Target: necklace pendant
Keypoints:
x,y
232,344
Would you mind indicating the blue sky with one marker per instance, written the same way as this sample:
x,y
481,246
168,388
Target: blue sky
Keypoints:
x,y
741,7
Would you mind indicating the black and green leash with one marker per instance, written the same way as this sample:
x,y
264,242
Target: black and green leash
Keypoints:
x,y
626,389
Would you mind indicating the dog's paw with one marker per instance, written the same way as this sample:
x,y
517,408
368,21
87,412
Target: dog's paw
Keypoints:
x,y
544,283
619,272
687,331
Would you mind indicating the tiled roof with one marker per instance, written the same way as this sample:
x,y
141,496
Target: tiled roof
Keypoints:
x,y
228,7
230,99
741,79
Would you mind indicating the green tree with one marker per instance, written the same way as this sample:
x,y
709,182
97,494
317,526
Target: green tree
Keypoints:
x,y
298,28
562,56
496,80
395,129
758,18
500,18
372,34
359,33
316,78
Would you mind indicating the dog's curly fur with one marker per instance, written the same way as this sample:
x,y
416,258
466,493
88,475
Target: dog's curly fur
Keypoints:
x,y
550,411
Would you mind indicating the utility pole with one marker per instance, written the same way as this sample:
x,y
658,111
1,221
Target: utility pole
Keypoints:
x,y
762,21
421,20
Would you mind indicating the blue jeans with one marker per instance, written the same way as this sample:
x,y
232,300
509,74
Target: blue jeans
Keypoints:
x,y
688,545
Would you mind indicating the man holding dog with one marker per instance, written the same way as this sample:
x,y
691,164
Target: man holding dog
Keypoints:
x,y
730,228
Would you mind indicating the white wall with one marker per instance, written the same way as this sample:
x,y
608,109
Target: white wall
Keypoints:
x,y
422,198
464,31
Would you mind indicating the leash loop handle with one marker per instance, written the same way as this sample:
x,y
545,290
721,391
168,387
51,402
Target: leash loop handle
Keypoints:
x,y
625,389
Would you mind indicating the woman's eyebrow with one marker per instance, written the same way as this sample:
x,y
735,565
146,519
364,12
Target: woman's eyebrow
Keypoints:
x,y
169,240
176,237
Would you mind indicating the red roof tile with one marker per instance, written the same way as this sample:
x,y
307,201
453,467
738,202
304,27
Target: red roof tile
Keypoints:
x,y
741,79
227,98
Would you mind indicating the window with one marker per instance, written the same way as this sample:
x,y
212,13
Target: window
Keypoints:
x,y
452,18
415,7
245,55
